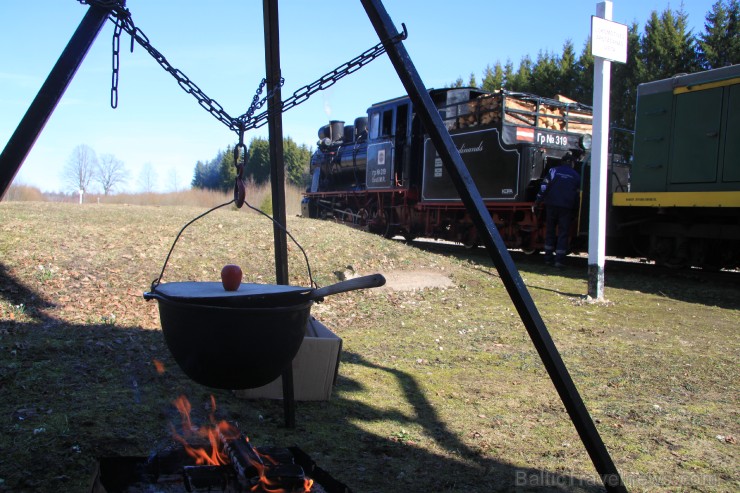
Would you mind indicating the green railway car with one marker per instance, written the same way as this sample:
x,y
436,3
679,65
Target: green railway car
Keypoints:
x,y
683,203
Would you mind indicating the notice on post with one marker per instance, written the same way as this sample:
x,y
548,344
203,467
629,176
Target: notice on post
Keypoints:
x,y
608,40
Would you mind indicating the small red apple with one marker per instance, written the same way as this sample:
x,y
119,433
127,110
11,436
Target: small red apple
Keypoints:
x,y
231,277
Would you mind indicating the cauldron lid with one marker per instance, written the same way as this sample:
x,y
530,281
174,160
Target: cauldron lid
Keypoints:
x,y
256,295
214,291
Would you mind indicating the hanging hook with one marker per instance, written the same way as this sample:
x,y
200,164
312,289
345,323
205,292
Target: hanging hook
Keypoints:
x,y
240,161
403,34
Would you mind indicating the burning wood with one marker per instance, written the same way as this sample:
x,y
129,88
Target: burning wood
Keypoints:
x,y
221,458
230,457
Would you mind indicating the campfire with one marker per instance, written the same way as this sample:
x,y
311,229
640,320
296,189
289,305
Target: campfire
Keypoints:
x,y
214,457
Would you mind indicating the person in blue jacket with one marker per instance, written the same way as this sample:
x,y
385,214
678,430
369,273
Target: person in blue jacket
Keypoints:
x,y
560,193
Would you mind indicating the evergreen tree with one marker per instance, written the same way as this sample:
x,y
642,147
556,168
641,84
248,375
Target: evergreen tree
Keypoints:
x,y
296,162
623,98
199,175
207,175
258,164
472,82
521,80
508,74
544,75
226,170
667,48
584,89
567,72
493,79
719,45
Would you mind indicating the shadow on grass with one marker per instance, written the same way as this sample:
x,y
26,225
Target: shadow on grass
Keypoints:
x,y
469,470
689,285
72,393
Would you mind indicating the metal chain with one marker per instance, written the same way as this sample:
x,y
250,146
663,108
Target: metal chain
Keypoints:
x,y
257,103
121,17
326,81
116,65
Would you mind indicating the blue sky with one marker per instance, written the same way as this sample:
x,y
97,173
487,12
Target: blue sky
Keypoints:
x,y
219,45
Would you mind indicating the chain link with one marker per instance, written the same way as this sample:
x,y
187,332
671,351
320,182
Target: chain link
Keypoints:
x,y
116,65
326,81
123,21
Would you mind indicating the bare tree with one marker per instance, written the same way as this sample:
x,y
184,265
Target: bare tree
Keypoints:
x,y
148,178
80,168
173,180
110,173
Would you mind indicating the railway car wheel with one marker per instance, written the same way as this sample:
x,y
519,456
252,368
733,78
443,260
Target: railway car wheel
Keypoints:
x,y
665,252
710,256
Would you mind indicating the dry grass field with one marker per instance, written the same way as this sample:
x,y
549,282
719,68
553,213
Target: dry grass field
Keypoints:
x,y
439,388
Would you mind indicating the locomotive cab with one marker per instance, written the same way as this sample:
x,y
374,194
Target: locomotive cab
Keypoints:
x,y
389,146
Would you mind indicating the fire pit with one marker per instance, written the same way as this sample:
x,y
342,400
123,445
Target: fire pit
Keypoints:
x,y
214,457
293,471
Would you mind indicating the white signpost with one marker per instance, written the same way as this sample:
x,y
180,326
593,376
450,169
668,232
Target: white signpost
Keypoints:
x,y
608,42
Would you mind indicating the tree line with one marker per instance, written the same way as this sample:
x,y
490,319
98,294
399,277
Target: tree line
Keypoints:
x,y
665,47
219,173
86,171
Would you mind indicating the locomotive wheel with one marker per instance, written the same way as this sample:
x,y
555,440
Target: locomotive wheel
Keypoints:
x,y
362,218
526,242
348,216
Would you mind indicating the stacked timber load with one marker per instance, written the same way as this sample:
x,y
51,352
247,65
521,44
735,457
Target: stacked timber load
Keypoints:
x,y
561,114
483,110
577,119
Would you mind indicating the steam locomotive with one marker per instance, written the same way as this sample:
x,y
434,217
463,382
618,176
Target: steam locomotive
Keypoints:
x,y
675,201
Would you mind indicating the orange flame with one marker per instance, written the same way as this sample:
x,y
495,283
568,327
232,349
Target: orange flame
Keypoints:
x,y
217,456
210,433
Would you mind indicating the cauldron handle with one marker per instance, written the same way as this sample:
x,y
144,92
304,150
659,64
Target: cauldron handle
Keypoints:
x,y
158,280
363,282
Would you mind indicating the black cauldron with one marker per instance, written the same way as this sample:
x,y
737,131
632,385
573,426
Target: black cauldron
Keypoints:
x,y
233,348
239,339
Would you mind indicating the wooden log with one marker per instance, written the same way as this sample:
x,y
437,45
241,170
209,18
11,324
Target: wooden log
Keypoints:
x,y
579,115
579,128
518,104
519,119
563,99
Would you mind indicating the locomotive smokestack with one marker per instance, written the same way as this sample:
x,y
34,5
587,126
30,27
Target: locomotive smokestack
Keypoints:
x,y
360,127
337,130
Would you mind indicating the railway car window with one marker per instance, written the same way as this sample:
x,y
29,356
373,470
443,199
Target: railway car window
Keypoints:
x,y
374,125
387,123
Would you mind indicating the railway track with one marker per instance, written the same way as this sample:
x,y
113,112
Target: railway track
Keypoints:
x,y
577,264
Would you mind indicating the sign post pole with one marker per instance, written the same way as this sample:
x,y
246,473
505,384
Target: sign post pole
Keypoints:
x,y
608,42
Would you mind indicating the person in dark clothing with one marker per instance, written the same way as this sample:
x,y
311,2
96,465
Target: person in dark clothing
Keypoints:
x,y
559,193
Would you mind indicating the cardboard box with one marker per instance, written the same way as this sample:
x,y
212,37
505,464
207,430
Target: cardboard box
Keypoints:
x,y
315,368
